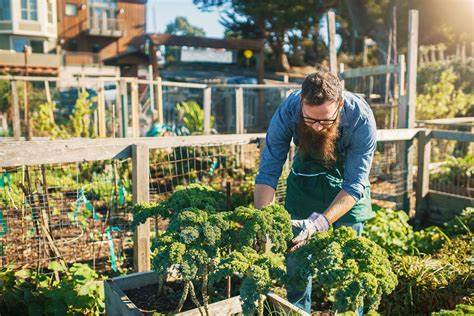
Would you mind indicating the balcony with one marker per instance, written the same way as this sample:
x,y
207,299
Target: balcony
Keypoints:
x,y
101,25
81,59
38,64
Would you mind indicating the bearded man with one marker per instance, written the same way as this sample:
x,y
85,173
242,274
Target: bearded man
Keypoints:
x,y
335,135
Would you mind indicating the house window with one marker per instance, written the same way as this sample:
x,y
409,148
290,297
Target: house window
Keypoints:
x,y
20,42
5,10
50,11
71,9
29,10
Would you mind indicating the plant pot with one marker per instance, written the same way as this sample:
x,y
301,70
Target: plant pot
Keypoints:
x,y
117,303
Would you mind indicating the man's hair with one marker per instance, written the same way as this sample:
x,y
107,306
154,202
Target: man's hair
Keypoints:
x,y
320,87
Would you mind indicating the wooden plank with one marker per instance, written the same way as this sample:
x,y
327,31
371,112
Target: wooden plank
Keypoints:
x,y
35,152
159,100
136,280
423,172
135,110
459,121
284,306
141,183
230,306
101,110
239,111
332,42
15,111
17,153
448,202
453,135
390,135
117,302
369,71
207,97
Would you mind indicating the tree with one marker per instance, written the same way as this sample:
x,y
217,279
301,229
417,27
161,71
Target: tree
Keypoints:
x,y
180,26
285,25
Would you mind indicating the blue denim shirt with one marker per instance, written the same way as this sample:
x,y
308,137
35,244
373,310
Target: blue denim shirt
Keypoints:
x,y
357,142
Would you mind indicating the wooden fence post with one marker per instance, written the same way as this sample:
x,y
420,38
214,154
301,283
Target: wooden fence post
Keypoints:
x,y
124,109
159,100
239,110
101,110
411,105
141,182
207,109
118,108
135,110
332,42
423,172
151,87
16,111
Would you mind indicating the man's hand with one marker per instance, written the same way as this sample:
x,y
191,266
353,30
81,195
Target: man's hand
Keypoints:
x,y
315,223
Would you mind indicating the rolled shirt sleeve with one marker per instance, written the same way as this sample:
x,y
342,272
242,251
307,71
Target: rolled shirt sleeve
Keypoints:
x,y
277,143
359,156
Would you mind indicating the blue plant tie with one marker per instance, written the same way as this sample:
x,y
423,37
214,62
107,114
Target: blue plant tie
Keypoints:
x,y
5,179
113,256
3,224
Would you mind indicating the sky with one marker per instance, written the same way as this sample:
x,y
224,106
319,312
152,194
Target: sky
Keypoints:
x,y
165,11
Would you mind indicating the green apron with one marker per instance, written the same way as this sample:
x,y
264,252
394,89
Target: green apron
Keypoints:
x,y
311,187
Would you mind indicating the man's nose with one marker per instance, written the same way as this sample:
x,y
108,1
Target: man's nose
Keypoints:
x,y
317,127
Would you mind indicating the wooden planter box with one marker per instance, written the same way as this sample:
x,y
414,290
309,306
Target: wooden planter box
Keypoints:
x,y
118,304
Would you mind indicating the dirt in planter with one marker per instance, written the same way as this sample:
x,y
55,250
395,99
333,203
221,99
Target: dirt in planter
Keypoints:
x,y
146,298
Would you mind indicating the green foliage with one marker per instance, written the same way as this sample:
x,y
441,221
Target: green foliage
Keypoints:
x,y
352,271
192,116
42,122
460,310
429,283
80,117
390,230
194,195
457,171
78,291
441,98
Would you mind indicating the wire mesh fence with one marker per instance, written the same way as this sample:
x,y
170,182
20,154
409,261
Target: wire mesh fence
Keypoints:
x,y
69,212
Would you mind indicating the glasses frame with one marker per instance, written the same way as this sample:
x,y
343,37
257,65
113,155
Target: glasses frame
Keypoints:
x,y
326,123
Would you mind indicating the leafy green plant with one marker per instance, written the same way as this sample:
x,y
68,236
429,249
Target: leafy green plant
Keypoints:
x,y
79,290
351,271
390,230
43,124
80,117
430,283
460,310
192,116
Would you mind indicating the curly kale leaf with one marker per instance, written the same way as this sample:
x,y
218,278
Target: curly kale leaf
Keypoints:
x,y
352,271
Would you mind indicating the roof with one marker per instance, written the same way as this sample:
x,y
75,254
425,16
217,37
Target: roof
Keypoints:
x,y
195,41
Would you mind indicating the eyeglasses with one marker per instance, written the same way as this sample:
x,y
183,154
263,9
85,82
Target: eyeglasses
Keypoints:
x,y
326,122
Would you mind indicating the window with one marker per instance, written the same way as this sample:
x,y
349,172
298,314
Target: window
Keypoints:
x,y
20,42
29,10
50,11
71,9
5,10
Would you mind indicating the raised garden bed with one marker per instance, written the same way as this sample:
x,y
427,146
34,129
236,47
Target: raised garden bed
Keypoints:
x,y
118,303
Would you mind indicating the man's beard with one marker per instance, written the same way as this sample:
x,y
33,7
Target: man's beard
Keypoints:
x,y
318,145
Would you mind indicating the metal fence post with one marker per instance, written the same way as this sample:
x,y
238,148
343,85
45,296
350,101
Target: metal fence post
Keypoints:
x,y
141,183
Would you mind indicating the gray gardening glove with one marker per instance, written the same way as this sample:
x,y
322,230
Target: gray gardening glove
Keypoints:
x,y
315,223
